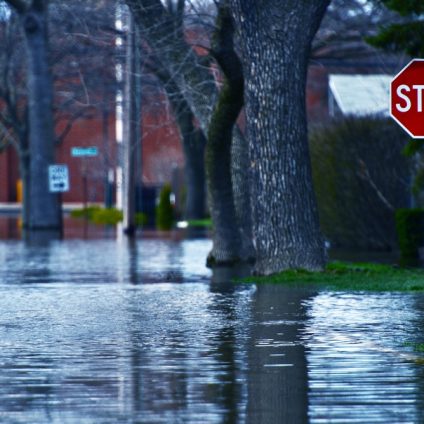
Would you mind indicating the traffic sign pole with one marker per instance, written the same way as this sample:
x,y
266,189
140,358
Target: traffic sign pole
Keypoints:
x,y
84,152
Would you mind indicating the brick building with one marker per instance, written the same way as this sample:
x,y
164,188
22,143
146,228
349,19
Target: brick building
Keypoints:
x,y
161,154
161,148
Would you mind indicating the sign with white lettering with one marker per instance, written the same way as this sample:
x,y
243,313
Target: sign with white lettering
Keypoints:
x,y
406,98
58,178
84,151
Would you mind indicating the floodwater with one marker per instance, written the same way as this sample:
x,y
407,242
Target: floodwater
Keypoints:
x,y
102,330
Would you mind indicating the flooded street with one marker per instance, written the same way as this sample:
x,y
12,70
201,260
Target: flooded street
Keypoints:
x,y
106,331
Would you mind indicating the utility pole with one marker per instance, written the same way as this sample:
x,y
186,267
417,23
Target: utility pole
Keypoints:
x,y
131,128
119,113
138,101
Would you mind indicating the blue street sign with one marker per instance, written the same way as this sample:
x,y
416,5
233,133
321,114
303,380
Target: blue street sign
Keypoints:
x,y
84,151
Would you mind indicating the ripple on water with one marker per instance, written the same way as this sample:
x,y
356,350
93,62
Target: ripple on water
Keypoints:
x,y
105,332
358,367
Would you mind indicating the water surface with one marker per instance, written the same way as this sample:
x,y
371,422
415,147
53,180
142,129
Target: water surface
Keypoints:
x,y
106,331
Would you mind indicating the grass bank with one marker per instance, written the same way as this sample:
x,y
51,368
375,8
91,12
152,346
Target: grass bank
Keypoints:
x,y
206,223
416,347
346,276
105,216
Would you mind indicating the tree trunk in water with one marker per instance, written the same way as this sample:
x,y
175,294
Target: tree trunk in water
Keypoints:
x,y
227,241
194,153
193,143
275,38
226,234
44,207
241,193
195,82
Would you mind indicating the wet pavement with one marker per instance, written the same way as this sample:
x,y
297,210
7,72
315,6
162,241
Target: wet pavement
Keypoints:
x,y
105,331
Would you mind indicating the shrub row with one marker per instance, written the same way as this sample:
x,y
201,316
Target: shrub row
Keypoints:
x,y
410,229
360,178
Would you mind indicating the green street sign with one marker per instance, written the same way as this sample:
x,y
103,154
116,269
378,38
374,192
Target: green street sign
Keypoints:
x,y
84,151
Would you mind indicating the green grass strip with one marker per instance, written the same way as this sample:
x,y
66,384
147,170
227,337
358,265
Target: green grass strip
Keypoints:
x,y
416,347
200,223
344,276
106,216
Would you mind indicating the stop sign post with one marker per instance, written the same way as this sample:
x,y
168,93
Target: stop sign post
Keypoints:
x,y
407,98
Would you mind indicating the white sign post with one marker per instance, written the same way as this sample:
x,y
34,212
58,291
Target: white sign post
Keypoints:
x,y
58,178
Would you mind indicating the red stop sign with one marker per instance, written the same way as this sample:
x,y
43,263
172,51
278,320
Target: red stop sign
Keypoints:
x,y
407,98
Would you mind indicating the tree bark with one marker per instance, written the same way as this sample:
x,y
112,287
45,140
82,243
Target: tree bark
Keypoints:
x,y
241,193
44,207
193,142
275,38
194,80
227,246
226,235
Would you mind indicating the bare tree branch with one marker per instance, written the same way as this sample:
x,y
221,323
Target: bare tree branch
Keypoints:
x,y
364,173
69,124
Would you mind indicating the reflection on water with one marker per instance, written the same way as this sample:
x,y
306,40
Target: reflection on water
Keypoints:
x,y
107,331
10,229
104,261
78,228
277,374
358,363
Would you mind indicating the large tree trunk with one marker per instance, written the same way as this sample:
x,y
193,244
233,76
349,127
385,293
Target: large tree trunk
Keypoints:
x,y
226,235
275,38
241,193
194,142
227,246
192,76
45,210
